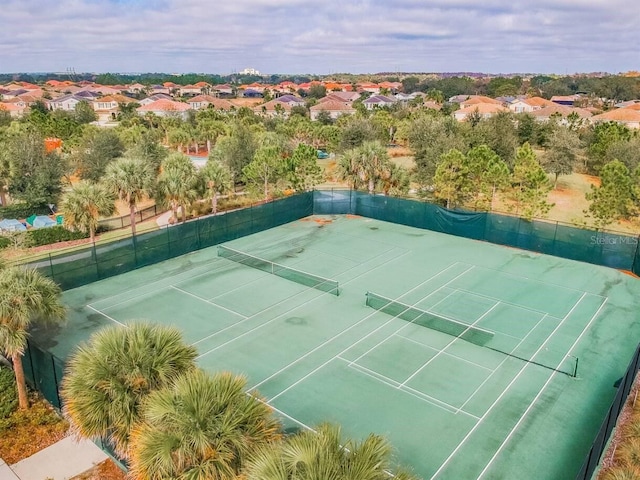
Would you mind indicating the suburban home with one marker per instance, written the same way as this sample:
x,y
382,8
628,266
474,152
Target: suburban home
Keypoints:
x,y
520,106
136,88
250,93
378,101
66,102
393,87
88,95
274,108
628,117
373,88
14,110
635,106
566,100
477,100
484,110
343,96
208,101
628,103
334,108
106,90
107,107
190,90
160,89
222,90
560,112
154,98
165,108
538,102
292,100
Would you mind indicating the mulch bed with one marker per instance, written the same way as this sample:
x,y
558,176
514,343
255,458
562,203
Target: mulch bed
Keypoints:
x,y
106,470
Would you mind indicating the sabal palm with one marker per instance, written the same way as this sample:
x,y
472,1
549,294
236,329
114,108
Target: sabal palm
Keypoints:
x,y
348,168
321,456
108,378
84,204
203,427
131,179
374,163
25,297
178,182
217,178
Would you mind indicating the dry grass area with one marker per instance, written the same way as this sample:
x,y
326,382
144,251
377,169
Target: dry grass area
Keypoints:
x,y
26,432
106,470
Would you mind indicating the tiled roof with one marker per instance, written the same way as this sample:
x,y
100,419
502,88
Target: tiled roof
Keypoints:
x,y
164,105
619,115
538,102
483,108
332,105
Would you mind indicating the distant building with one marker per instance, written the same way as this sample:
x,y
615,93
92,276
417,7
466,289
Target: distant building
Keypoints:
x,y
249,71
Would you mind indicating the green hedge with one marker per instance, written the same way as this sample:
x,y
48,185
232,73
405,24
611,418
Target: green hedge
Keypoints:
x,y
8,392
4,242
47,236
23,210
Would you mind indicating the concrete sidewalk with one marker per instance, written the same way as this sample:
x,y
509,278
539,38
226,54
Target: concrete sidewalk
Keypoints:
x,y
61,461
6,473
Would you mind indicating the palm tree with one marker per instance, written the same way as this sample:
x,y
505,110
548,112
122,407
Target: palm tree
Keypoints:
x,y
178,183
108,378
202,427
348,168
367,163
25,297
320,455
84,204
132,180
217,178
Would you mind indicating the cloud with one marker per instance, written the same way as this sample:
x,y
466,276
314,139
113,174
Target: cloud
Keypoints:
x,y
298,36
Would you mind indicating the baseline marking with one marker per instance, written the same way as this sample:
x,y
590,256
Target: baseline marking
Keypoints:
x,y
207,301
107,316
504,392
533,402
360,340
448,345
293,308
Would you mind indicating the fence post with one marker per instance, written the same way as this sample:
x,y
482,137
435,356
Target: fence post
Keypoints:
x,y
51,266
55,380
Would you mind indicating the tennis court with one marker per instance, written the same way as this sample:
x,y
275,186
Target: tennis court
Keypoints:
x,y
476,361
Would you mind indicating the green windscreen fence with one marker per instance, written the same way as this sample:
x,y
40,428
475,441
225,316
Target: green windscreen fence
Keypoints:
x,y
292,274
600,247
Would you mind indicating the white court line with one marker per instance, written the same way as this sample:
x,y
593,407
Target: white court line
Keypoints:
x,y
446,353
506,357
489,297
533,402
497,400
360,340
343,331
284,300
107,316
322,294
207,301
448,345
534,279
413,306
390,382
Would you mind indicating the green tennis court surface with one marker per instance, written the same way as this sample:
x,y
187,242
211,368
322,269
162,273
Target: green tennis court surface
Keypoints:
x,y
462,353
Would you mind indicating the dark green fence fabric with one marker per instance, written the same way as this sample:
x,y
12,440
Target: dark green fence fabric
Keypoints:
x,y
600,247
93,263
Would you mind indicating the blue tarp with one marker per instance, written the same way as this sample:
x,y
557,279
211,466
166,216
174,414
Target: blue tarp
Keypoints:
x,y
11,225
42,221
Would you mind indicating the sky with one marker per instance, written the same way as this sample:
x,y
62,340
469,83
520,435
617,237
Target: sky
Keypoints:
x,y
320,37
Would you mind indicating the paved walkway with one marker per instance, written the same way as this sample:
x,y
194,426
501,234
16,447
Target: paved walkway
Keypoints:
x,y
61,461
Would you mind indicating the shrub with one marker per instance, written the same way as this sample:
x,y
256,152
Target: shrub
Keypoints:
x,y
4,242
23,210
8,393
47,236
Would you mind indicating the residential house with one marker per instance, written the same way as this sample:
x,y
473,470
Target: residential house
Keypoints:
x,y
208,101
190,90
108,107
165,108
628,117
561,113
274,108
378,101
370,87
65,102
520,106
14,110
88,95
160,89
334,108
628,103
106,90
538,102
136,88
566,100
250,93
291,100
484,110
222,90
477,100
154,98
392,87
343,96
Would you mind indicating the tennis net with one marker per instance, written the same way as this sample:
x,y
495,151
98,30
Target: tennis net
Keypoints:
x,y
477,336
288,273
470,333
